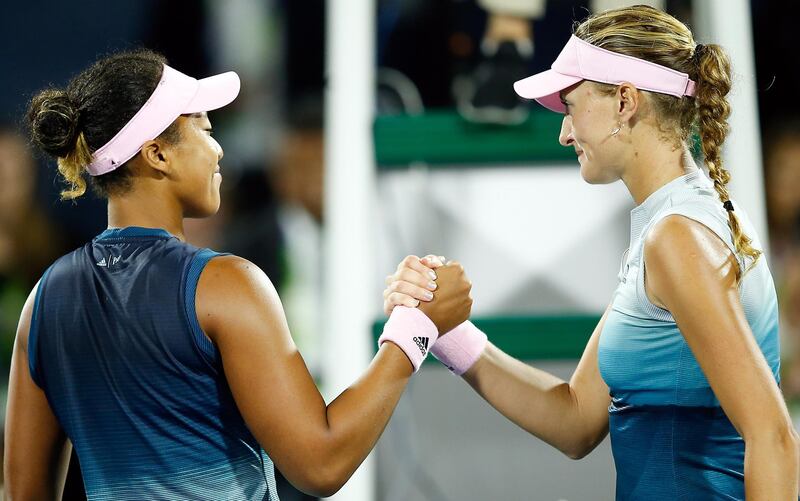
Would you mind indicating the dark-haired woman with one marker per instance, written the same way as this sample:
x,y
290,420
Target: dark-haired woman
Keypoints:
x,y
170,368
683,366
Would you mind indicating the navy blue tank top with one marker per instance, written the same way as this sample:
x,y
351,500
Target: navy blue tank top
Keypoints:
x,y
134,382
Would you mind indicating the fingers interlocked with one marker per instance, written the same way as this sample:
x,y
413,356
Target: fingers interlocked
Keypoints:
x,y
411,283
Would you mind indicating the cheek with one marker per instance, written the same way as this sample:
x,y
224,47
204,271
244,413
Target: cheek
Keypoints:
x,y
584,132
582,124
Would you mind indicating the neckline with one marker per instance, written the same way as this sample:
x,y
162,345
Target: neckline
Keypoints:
x,y
134,232
654,201
644,212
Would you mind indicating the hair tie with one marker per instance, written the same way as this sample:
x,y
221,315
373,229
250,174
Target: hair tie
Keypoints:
x,y
698,52
728,205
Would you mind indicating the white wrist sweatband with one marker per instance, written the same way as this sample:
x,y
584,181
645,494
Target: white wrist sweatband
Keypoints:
x,y
412,331
460,348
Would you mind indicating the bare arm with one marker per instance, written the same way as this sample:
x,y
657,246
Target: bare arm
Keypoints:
x,y
36,449
691,272
317,447
572,417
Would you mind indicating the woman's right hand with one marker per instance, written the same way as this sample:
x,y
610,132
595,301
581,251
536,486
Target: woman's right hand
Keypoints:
x,y
413,283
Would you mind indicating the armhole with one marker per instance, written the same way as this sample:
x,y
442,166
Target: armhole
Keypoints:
x,y
708,221
201,341
33,333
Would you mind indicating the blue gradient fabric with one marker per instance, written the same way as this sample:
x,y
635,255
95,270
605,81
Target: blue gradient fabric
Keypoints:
x,y
669,436
134,382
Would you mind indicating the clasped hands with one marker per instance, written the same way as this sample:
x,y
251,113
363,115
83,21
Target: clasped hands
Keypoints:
x,y
441,290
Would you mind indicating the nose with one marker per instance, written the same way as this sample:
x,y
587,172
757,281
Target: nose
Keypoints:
x,y
565,136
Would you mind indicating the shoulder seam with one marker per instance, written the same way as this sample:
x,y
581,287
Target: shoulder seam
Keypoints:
x,y
194,269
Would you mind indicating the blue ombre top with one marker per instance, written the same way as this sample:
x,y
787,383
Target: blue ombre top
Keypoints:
x,y
669,436
134,382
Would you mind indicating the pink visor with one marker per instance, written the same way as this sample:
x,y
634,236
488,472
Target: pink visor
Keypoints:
x,y
175,95
580,60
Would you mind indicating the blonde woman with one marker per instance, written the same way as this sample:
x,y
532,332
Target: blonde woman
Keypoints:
x,y
682,369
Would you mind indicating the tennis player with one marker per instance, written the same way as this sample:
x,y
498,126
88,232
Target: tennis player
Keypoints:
x,y
682,369
170,368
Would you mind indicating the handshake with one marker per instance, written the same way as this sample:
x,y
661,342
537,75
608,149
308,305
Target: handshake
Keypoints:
x,y
434,300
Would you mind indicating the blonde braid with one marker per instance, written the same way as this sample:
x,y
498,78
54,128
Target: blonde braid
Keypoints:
x,y
713,109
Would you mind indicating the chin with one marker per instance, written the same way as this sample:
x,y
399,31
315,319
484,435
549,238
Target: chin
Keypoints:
x,y
203,211
593,176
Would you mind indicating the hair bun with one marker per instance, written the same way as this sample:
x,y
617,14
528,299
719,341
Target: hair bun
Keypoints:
x,y
53,119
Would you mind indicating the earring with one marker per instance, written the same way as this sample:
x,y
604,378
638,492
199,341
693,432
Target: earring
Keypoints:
x,y
616,130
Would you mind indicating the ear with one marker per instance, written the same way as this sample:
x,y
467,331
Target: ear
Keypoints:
x,y
155,155
629,100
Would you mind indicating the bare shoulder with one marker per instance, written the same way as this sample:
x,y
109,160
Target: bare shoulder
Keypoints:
x,y
683,254
24,325
232,291
233,272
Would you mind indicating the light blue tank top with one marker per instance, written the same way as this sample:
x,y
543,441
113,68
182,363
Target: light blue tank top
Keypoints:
x,y
669,436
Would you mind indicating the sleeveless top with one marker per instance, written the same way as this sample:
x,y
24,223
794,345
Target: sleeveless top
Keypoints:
x,y
132,379
669,436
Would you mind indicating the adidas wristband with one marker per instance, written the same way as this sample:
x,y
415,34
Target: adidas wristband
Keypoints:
x,y
460,348
412,332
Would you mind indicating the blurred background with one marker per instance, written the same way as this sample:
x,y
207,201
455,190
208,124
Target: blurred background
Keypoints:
x,y
369,130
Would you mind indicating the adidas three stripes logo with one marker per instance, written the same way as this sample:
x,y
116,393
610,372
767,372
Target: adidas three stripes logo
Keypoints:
x,y
422,344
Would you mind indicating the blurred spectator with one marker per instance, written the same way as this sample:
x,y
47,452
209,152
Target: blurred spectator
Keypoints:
x,y
29,242
298,180
782,180
487,95
249,223
468,54
506,50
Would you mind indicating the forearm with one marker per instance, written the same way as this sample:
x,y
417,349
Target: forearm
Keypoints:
x,y
26,482
358,416
535,400
771,469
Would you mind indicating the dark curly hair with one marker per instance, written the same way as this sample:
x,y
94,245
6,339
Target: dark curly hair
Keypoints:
x,y
70,124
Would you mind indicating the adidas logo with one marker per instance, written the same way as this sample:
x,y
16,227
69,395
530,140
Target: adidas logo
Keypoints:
x,y
105,264
422,344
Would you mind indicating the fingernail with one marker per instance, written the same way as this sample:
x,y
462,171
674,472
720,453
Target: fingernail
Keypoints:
x,y
428,295
432,286
432,275
417,303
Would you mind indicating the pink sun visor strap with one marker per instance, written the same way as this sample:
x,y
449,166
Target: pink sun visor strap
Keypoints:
x,y
460,348
580,60
412,331
176,94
